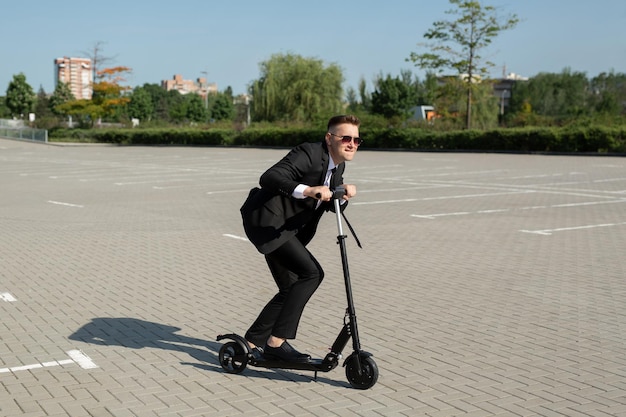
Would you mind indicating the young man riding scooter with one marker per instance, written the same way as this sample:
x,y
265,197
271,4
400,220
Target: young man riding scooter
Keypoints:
x,y
280,218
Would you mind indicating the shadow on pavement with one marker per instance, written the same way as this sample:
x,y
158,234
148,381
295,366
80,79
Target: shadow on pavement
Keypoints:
x,y
138,334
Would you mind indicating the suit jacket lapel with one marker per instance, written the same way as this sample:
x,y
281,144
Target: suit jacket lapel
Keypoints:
x,y
325,162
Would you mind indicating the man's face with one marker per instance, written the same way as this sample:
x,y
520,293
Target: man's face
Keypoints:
x,y
340,151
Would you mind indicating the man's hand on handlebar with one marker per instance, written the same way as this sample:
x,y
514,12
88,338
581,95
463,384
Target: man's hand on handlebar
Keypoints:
x,y
350,191
322,192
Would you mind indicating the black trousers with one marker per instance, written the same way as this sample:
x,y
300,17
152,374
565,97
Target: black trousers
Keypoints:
x,y
297,275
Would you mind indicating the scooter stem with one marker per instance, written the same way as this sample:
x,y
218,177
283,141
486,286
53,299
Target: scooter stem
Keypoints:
x,y
338,211
346,273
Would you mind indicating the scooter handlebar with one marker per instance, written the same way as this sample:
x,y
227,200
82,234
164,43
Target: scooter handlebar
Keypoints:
x,y
338,193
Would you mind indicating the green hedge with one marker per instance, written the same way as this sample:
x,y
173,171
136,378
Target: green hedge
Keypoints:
x,y
594,139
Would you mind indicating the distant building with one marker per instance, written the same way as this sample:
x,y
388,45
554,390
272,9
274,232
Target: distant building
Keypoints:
x,y
200,86
77,74
503,87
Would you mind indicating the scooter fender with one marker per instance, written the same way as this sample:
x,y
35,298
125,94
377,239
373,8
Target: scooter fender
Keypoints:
x,y
361,354
235,337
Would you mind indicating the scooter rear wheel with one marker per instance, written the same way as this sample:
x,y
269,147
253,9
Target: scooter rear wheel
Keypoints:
x,y
233,358
368,375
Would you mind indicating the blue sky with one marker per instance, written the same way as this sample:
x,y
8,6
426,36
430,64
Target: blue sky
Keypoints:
x,y
229,38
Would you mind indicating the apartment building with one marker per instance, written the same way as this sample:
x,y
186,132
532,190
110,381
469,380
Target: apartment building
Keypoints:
x,y
77,73
199,86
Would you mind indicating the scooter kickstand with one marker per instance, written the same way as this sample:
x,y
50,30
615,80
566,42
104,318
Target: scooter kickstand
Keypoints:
x,y
315,376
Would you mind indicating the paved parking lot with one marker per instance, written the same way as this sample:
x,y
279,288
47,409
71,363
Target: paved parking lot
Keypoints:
x,y
488,284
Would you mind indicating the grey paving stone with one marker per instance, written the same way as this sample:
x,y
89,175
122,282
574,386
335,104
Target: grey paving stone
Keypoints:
x,y
488,284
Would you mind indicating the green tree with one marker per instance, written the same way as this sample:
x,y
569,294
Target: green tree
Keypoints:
x,y
294,88
485,113
4,110
395,97
456,44
195,110
44,118
20,97
352,99
429,89
140,105
61,94
221,106
608,93
42,104
176,106
365,96
557,96
361,100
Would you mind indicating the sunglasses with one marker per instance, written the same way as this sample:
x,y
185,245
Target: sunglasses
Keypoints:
x,y
348,139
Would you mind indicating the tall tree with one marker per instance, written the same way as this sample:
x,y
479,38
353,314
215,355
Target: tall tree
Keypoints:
x,y
295,88
353,102
364,94
608,93
44,118
4,110
107,99
456,44
552,95
61,94
394,97
176,106
42,105
20,97
140,104
98,60
195,108
160,101
221,106
359,100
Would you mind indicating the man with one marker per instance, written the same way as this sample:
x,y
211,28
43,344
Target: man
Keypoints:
x,y
281,218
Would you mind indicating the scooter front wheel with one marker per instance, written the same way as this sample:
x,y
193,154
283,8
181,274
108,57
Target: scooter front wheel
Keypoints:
x,y
233,358
366,376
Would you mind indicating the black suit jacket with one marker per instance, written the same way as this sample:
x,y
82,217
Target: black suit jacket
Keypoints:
x,y
271,216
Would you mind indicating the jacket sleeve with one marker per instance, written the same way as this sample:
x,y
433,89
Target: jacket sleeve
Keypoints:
x,y
284,176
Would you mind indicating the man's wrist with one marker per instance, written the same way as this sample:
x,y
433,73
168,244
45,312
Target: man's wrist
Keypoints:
x,y
298,192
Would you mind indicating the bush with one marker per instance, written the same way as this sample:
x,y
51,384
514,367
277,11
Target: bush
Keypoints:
x,y
576,139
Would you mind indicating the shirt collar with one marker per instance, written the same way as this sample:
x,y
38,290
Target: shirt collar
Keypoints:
x,y
331,163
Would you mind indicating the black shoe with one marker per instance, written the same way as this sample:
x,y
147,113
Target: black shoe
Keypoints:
x,y
286,353
257,353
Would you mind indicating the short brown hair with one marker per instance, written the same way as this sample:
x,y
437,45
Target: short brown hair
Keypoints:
x,y
343,118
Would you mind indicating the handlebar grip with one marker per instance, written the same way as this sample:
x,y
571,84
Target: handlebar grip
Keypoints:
x,y
338,193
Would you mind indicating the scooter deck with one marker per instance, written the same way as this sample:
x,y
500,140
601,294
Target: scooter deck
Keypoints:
x,y
317,365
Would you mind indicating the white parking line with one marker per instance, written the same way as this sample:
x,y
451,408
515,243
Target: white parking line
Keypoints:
x,y
490,211
81,359
228,191
5,296
452,197
151,181
234,236
60,203
548,232
76,356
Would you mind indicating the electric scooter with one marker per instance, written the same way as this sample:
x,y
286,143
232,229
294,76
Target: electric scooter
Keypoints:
x,y
361,369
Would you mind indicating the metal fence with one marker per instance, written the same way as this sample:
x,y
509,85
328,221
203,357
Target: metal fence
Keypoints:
x,y
15,129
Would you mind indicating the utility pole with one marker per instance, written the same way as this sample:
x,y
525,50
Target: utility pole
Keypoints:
x,y
206,89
